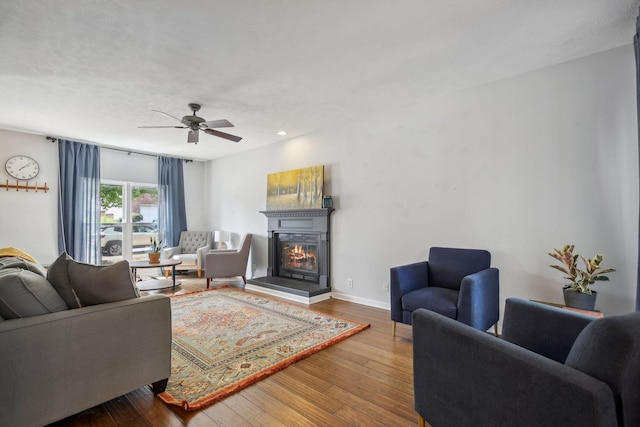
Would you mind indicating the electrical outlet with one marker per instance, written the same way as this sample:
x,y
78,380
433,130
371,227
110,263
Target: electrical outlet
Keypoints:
x,y
385,286
349,283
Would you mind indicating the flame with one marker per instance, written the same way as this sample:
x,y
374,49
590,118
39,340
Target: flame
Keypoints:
x,y
299,254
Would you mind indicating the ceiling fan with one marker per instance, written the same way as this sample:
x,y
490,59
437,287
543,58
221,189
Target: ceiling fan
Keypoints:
x,y
196,124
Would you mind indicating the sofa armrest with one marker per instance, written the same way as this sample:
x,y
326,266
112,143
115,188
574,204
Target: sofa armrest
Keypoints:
x,y
404,279
466,377
543,329
170,252
479,299
58,364
201,254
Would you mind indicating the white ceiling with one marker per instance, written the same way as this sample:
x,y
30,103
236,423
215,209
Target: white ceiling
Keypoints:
x,y
93,70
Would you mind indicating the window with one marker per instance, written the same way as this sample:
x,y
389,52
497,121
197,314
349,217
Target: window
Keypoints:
x,y
129,220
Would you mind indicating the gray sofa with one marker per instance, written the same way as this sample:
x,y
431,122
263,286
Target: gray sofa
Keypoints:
x,y
69,357
551,368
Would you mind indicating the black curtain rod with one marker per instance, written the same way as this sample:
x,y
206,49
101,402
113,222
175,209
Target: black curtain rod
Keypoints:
x,y
129,152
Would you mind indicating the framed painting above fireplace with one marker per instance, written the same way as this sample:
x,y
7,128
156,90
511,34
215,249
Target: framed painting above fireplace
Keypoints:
x,y
295,189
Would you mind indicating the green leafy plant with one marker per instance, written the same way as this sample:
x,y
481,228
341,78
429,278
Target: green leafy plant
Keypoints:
x,y
155,247
581,280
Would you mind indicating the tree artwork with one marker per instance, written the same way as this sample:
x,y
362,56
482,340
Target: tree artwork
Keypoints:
x,y
295,189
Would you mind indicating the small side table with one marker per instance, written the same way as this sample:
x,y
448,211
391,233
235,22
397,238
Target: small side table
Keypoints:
x,y
163,263
593,313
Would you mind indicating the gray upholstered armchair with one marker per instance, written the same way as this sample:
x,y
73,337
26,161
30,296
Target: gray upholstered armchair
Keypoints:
x,y
191,249
457,283
229,262
552,367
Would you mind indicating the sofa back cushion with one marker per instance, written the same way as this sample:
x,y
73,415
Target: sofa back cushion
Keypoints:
x,y
99,284
190,241
551,334
24,293
609,349
447,266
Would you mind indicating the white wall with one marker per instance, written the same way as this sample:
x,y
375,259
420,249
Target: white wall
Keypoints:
x,y
28,220
517,167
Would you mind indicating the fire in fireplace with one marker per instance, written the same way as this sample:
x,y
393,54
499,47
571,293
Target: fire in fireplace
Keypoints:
x,y
298,254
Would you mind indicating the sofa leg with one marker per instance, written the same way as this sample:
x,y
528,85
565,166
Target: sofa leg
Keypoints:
x,y
166,273
199,274
244,279
159,386
420,421
495,329
208,282
393,328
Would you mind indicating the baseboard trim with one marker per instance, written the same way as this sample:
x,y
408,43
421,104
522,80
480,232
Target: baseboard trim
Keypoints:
x,y
363,301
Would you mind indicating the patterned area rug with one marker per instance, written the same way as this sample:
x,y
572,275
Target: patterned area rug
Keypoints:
x,y
226,339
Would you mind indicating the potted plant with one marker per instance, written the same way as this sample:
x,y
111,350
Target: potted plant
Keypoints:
x,y
578,293
154,255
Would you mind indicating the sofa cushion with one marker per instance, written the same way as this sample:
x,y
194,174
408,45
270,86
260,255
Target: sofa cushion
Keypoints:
x,y
99,284
440,300
187,259
24,293
16,262
447,266
58,275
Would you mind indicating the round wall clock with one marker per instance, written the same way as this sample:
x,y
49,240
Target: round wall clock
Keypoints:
x,y
22,167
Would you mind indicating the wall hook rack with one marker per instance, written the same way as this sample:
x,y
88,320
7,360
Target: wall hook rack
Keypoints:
x,y
25,186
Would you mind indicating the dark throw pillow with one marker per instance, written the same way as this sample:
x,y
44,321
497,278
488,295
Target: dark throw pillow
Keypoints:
x,y
99,284
58,275
24,293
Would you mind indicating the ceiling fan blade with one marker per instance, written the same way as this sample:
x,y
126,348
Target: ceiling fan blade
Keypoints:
x,y
193,136
223,123
167,114
223,135
176,127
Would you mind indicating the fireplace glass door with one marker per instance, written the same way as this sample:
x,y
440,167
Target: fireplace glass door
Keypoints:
x,y
298,254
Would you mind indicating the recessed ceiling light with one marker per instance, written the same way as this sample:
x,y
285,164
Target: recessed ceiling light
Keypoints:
x,y
282,133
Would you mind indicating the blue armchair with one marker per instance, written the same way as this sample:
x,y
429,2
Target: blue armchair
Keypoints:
x,y
457,283
552,367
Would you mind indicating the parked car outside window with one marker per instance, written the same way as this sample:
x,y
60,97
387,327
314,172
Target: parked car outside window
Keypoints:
x,y
111,237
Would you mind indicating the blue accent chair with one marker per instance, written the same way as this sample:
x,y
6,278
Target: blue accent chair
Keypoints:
x,y
457,283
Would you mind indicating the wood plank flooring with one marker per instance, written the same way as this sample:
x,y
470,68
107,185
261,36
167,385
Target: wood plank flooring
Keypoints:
x,y
365,380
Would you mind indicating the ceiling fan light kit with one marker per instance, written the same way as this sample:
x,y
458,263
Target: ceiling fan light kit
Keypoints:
x,y
195,124
193,136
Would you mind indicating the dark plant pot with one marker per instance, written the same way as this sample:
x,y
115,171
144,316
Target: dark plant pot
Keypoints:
x,y
579,300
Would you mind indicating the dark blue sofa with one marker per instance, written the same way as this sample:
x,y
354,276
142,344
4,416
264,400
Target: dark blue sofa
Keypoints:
x,y
552,367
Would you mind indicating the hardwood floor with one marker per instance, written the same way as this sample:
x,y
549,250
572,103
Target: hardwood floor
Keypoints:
x,y
365,380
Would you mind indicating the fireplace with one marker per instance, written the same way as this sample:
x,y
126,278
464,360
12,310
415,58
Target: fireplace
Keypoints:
x,y
298,251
